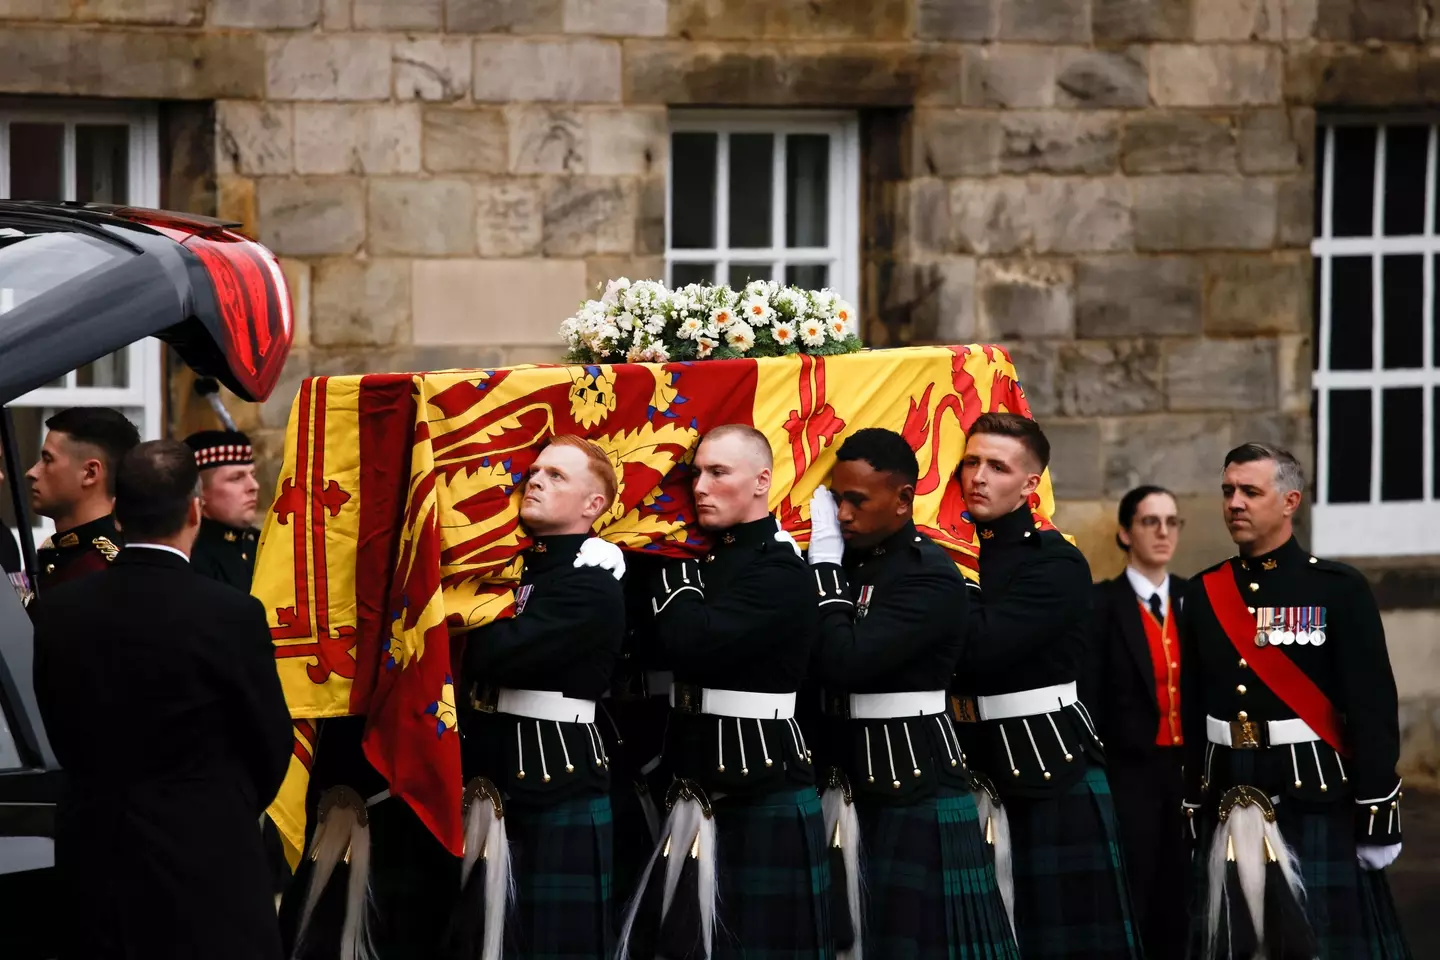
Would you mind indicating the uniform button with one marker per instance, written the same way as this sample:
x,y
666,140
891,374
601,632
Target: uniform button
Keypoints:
x,y
1174,666
1242,715
49,568
1172,688
1254,587
1240,689
1243,664
1174,739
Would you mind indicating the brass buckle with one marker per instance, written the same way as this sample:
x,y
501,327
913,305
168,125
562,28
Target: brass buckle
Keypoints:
x,y
1245,735
687,697
965,709
479,788
483,699
1246,796
683,789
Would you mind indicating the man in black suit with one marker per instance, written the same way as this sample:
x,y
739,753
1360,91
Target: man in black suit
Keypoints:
x,y
1132,681
159,693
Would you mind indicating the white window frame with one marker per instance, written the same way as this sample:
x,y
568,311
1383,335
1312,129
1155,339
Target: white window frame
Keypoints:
x,y
842,254
1376,528
143,399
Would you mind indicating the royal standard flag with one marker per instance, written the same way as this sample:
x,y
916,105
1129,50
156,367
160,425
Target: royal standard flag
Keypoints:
x,y
395,526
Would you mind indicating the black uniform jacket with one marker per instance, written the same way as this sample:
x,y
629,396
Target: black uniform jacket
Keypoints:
x,y
1352,669
565,637
10,561
159,693
1118,682
226,553
888,621
71,554
1029,628
742,618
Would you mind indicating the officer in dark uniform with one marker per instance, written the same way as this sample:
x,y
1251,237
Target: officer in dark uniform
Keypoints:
x,y
1291,731
73,483
228,539
1022,722
745,824
887,650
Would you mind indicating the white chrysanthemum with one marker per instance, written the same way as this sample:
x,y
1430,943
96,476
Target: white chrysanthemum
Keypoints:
x,y
812,331
722,317
756,311
843,312
689,328
740,337
757,288
784,333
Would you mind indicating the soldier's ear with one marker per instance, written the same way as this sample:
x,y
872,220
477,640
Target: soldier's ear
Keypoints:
x,y
1292,501
906,495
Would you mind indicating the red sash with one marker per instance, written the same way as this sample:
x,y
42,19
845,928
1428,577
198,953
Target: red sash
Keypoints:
x,y
1269,662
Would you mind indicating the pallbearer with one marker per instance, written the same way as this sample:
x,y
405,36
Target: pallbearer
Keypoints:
x,y
1291,738
890,602
1022,723
225,550
537,799
744,824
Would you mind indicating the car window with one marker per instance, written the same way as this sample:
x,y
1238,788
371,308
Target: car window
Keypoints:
x,y
14,631
35,260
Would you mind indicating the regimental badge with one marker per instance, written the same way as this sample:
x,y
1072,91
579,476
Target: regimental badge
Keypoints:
x,y
230,536
522,597
69,540
106,547
862,607
1269,564
987,534
728,538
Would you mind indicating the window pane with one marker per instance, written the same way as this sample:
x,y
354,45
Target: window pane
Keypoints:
x,y
1402,434
111,371
1404,344
752,180
1354,186
807,190
1405,149
1351,314
1435,445
808,276
1317,264
1435,319
37,158
1348,455
743,273
102,164
692,190
29,432
686,273
1321,140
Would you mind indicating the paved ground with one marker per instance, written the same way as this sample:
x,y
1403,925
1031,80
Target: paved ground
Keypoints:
x,y
1415,877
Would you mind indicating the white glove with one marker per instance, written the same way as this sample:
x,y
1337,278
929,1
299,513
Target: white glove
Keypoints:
x,y
1377,857
595,552
826,543
783,536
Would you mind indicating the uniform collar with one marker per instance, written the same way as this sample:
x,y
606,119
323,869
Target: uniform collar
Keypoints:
x,y
547,553
85,534
163,547
751,534
223,531
1287,555
1015,526
897,541
1144,589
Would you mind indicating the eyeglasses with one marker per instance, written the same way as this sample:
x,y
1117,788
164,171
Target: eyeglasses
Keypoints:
x,y
1153,522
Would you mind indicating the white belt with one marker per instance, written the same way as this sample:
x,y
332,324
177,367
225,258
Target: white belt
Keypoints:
x,y
885,706
1027,703
1278,733
743,704
658,682
544,705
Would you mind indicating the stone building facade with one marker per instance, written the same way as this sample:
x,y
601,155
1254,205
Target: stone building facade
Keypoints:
x,y
1124,192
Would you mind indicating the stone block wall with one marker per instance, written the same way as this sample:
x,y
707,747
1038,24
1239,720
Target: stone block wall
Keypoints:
x,y
1119,190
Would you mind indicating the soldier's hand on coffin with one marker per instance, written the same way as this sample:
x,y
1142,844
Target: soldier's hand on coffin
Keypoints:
x,y
595,552
827,545
1376,857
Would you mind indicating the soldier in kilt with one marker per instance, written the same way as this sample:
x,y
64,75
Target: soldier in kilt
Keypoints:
x,y
744,825
1291,738
890,600
538,804
1020,718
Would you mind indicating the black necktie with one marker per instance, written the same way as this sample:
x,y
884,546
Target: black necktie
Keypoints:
x,y
1156,608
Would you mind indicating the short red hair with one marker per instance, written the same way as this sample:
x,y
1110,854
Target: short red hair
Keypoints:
x,y
600,466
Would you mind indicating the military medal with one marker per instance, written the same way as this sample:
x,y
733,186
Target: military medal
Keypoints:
x,y
1317,636
863,606
1262,635
1287,616
522,596
1277,628
1303,636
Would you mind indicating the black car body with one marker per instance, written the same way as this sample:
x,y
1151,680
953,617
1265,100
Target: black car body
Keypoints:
x,y
77,282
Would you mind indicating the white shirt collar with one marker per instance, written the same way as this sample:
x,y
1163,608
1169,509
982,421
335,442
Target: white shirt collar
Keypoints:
x,y
158,546
1144,589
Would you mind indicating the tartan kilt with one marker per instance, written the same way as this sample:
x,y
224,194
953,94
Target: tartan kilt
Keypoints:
x,y
633,840
1350,908
930,882
560,856
1071,895
774,878
413,884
